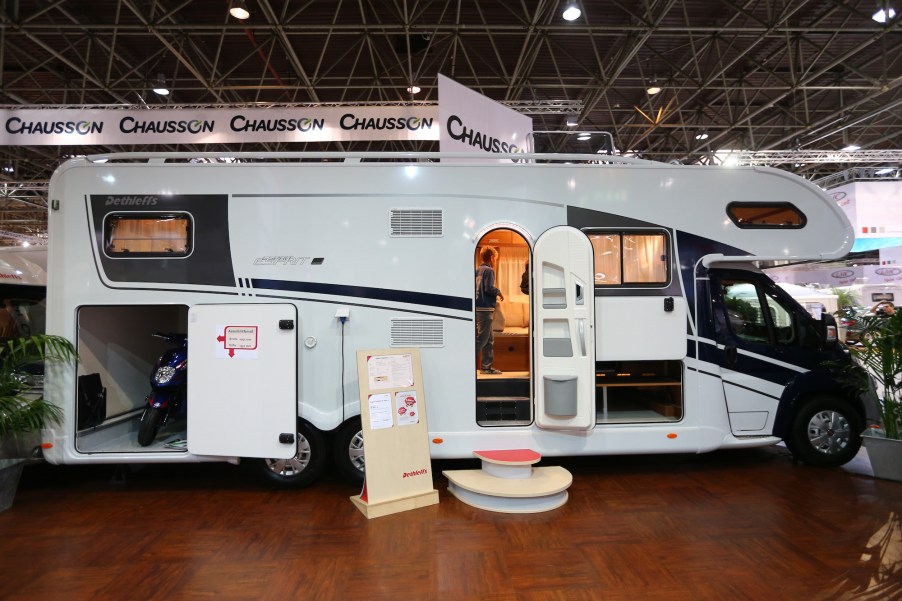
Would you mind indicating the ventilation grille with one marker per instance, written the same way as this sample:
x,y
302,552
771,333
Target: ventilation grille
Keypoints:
x,y
416,223
417,332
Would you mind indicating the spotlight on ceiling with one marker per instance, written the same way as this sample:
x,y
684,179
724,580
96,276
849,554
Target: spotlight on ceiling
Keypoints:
x,y
701,135
238,9
571,11
414,89
884,171
653,89
159,85
884,14
572,121
851,148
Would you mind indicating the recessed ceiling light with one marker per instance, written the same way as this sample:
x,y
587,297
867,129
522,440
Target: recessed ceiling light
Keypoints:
x,y
238,9
159,86
571,12
882,16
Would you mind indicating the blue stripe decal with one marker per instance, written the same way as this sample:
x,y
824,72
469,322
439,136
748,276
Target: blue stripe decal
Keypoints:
x,y
414,298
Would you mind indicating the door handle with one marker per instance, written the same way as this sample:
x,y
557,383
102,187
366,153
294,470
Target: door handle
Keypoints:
x,y
581,329
731,355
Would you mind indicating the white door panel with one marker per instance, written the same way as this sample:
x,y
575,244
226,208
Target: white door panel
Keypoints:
x,y
242,380
565,329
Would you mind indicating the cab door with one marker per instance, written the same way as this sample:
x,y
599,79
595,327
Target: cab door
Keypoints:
x,y
763,342
564,306
242,380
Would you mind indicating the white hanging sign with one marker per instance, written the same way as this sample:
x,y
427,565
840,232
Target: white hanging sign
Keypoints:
x,y
84,127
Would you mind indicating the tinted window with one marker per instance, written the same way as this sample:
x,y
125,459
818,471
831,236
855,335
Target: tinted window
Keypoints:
x,y
750,215
756,315
625,258
147,235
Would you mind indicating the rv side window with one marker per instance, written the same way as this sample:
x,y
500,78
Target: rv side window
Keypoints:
x,y
631,258
147,235
756,215
756,315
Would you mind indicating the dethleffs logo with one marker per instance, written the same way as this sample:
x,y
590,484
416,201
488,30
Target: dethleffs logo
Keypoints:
x,y
130,125
240,123
131,201
419,472
349,121
460,132
15,125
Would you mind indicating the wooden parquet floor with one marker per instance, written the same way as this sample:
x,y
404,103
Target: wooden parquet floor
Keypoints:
x,y
733,525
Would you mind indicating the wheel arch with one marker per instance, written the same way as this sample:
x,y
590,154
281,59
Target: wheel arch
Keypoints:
x,y
809,385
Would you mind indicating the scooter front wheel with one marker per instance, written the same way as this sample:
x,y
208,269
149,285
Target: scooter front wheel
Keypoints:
x,y
150,425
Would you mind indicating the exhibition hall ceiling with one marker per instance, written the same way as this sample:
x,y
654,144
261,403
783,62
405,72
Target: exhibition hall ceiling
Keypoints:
x,y
785,82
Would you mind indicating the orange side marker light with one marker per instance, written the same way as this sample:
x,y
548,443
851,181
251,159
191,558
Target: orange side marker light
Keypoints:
x,y
672,435
438,440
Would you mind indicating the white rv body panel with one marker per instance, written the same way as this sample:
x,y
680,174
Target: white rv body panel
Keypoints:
x,y
319,236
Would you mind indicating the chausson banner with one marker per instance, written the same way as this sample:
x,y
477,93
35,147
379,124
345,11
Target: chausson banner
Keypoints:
x,y
66,127
473,123
465,121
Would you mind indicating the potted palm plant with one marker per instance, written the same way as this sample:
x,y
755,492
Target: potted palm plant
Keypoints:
x,y
879,352
23,410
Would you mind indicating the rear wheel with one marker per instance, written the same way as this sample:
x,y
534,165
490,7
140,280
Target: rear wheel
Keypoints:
x,y
150,425
301,470
826,432
348,452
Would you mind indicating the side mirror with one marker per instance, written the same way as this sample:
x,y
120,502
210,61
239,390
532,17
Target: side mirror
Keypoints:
x,y
829,330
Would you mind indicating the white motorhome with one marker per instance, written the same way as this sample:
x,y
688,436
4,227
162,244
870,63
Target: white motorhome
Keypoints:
x,y
869,295
23,288
633,336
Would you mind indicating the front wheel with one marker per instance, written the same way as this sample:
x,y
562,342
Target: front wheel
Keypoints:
x,y
150,425
348,452
826,432
301,470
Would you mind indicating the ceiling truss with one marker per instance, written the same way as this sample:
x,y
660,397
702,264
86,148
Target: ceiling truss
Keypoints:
x,y
788,83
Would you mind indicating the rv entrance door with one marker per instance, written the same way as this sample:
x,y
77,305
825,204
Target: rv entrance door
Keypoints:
x,y
563,272
242,380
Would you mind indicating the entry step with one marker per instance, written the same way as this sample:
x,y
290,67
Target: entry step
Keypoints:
x,y
508,482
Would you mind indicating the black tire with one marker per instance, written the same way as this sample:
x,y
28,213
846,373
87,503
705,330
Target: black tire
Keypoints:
x,y
301,470
150,425
826,432
348,452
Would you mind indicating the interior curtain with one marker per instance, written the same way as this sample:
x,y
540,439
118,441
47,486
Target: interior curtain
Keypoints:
x,y
510,271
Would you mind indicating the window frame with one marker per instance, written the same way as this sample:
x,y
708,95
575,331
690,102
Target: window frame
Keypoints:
x,y
136,215
622,232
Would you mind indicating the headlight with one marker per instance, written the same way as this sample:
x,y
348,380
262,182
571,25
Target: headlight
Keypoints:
x,y
163,374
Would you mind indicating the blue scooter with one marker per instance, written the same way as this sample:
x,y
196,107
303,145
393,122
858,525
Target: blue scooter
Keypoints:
x,y
169,383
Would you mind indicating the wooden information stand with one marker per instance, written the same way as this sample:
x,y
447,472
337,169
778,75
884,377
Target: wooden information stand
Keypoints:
x,y
395,435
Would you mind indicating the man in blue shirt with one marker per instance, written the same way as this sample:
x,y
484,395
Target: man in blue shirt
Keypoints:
x,y
486,297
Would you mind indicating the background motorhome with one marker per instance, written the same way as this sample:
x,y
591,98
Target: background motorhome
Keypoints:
x,y
23,288
870,294
815,301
